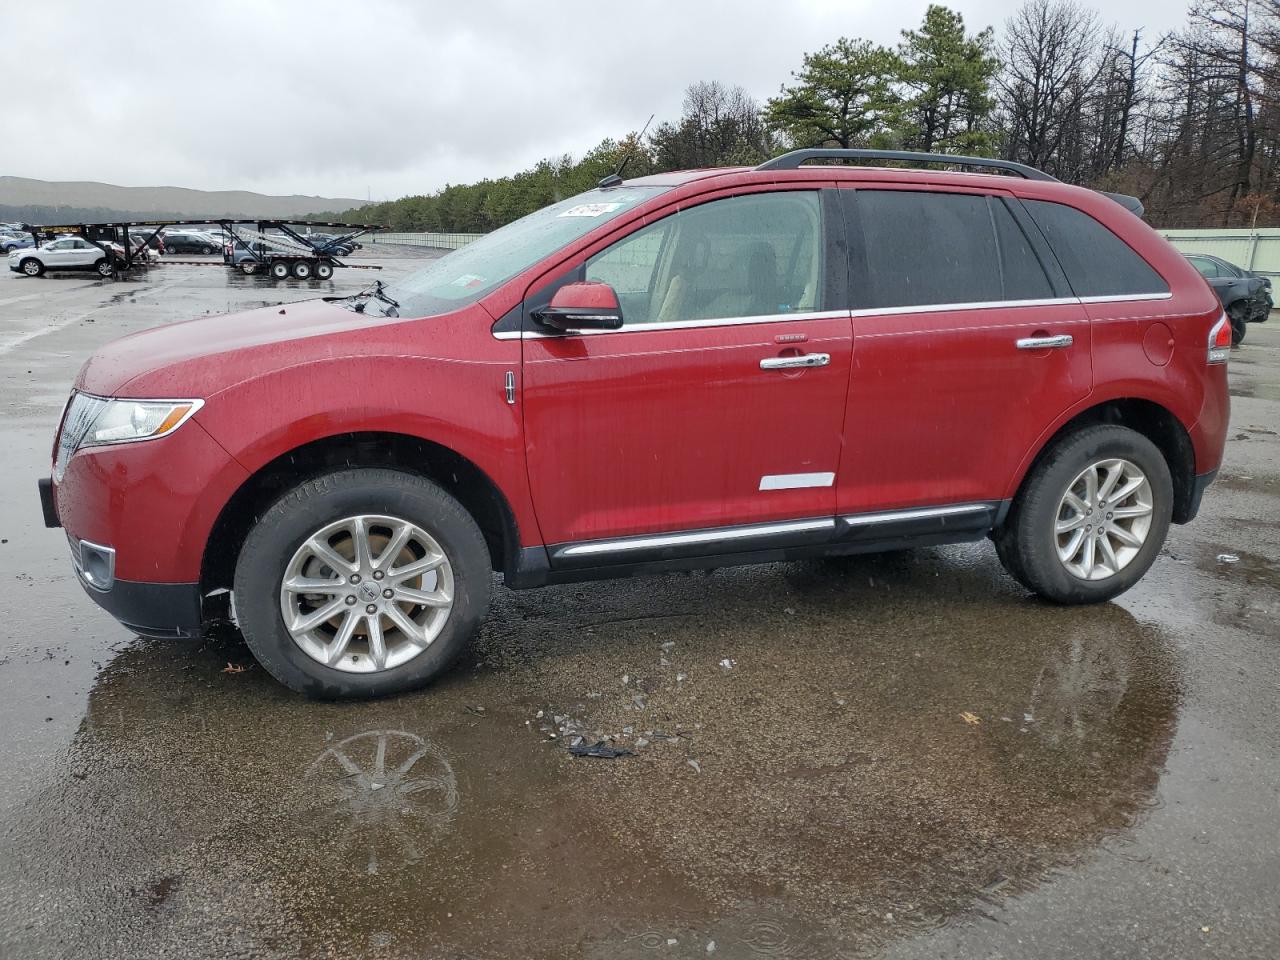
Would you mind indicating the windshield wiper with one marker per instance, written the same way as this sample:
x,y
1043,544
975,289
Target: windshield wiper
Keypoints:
x,y
376,291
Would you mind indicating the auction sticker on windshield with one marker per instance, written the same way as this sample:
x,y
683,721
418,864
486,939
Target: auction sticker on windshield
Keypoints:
x,y
594,209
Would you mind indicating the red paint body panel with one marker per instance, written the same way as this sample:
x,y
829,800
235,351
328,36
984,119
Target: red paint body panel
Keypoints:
x,y
155,502
649,431
942,405
673,429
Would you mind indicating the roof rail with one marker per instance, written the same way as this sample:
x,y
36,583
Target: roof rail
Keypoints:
x,y
794,159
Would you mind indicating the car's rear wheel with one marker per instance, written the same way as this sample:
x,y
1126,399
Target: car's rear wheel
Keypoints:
x,y
361,583
1090,517
31,267
302,270
103,268
280,270
1236,314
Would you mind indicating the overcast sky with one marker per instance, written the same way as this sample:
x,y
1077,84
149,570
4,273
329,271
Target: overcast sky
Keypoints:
x,y
391,97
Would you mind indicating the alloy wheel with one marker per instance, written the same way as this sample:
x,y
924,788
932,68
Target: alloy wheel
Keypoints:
x,y
1103,519
367,593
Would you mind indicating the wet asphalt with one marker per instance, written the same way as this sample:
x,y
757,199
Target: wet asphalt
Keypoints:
x,y
900,756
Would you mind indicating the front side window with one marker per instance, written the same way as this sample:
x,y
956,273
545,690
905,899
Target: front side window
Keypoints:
x,y
1097,262
938,249
748,256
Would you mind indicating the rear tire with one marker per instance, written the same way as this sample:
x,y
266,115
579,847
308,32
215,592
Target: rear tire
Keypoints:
x,y
324,271
1117,542
280,270
285,532
104,269
1236,314
301,270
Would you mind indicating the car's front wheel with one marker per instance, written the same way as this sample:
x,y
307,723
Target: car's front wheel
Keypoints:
x,y
1090,517
31,267
361,583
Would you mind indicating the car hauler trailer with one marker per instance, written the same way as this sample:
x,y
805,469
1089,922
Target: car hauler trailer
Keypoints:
x,y
268,247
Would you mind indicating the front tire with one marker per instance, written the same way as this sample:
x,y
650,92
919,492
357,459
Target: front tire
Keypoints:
x,y
1090,518
32,267
361,583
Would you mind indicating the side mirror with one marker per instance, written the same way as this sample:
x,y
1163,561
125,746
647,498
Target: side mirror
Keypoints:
x,y
585,305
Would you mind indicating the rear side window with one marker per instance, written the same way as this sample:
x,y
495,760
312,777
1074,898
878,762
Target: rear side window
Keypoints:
x,y
1207,268
927,249
1097,262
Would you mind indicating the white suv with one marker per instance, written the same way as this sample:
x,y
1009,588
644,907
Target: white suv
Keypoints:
x,y
65,253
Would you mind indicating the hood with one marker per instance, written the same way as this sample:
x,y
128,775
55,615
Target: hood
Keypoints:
x,y
206,355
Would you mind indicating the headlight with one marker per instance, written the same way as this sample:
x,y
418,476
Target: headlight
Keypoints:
x,y
94,421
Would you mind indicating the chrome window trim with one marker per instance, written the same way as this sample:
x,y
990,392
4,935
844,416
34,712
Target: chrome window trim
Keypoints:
x,y
1122,297
693,537
837,314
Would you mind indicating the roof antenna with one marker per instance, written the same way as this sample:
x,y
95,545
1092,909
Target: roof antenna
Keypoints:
x,y
615,178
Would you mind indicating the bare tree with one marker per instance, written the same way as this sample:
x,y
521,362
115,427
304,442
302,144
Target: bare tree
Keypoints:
x,y
1049,70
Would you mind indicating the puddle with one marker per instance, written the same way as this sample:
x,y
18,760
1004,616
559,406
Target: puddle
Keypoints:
x,y
863,770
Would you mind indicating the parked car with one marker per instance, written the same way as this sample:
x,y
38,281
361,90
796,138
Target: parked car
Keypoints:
x,y
332,244
178,242
16,241
64,253
1245,295
655,375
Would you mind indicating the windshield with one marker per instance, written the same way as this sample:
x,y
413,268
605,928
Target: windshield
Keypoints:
x,y
464,276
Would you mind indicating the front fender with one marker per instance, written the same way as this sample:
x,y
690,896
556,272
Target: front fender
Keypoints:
x,y
457,404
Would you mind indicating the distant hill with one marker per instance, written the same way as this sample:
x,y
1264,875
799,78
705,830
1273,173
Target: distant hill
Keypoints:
x,y
40,201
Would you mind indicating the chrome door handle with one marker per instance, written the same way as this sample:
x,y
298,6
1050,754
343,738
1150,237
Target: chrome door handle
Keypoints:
x,y
1045,343
801,360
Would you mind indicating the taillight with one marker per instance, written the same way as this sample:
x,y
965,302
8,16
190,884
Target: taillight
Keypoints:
x,y
1220,340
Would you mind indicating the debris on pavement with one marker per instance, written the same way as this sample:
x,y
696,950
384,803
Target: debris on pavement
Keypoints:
x,y
601,750
970,718
232,668
1228,558
697,767
728,664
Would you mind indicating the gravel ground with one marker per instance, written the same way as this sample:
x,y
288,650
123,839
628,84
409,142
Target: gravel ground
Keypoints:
x,y
899,756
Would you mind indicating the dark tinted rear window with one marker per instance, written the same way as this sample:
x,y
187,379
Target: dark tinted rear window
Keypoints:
x,y
941,248
1097,262
1024,278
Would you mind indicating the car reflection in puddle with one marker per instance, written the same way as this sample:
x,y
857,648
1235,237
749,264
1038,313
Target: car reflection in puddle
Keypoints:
x,y
897,746
385,789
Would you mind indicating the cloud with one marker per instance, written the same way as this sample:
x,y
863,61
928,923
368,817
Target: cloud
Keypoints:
x,y
391,96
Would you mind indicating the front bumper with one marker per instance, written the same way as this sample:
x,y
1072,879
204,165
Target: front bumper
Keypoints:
x,y
164,611
158,610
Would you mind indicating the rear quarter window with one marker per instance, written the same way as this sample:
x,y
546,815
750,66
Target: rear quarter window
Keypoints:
x,y
1097,262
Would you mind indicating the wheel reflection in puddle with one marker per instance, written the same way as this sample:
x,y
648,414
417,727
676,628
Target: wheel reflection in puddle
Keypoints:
x,y
1079,688
389,789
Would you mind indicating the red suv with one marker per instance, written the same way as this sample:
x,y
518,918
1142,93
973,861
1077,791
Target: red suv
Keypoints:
x,y
686,370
